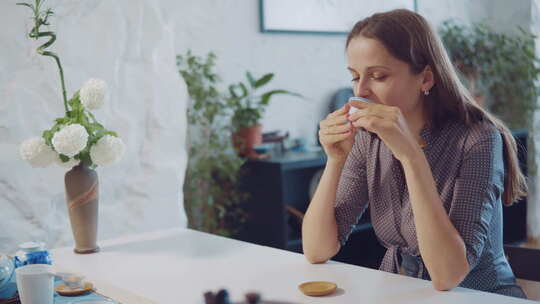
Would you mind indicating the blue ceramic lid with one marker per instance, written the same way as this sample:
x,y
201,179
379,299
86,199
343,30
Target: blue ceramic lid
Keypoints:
x,y
6,269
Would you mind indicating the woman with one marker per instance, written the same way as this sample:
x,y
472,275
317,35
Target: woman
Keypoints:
x,y
433,166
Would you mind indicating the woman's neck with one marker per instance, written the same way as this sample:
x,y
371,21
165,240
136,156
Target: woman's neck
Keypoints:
x,y
416,121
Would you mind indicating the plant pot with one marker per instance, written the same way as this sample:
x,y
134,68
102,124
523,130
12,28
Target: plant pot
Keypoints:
x,y
82,196
245,139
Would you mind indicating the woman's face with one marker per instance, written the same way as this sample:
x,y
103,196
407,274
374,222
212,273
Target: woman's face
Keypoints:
x,y
382,78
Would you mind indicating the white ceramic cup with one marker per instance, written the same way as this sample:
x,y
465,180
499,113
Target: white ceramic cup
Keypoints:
x,y
35,283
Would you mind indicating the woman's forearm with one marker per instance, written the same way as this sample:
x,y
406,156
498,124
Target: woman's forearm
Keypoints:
x,y
441,246
319,228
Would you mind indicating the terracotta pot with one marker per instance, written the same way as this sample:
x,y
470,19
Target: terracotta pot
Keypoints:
x,y
82,196
245,139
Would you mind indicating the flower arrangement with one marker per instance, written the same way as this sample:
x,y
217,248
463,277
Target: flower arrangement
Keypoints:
x,y
77,138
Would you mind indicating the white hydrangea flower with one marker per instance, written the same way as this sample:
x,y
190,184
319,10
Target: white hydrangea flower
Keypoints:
x,y
108,149
72,162
70,140
37,153
92,94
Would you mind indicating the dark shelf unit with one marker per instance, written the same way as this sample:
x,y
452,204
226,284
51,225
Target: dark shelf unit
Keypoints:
x,y
277,181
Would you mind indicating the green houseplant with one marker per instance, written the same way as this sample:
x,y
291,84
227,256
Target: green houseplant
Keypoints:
x,y
248,106
500,69
212,198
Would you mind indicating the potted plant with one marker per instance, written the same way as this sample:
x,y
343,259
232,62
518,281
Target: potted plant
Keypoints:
x,y
212,198
500,69
248,108
76,141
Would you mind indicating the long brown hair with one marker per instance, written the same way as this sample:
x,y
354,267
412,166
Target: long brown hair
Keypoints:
x,y
410,38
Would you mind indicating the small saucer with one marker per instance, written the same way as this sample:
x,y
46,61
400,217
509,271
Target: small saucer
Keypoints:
x,y
66,291
317,288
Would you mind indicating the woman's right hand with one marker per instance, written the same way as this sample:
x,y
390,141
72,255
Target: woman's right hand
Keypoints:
x,y
336,134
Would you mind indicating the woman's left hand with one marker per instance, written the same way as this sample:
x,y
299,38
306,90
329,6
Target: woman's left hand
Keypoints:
x,y
389,124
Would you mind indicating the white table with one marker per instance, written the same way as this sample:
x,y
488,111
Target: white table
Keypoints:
x,y
178,266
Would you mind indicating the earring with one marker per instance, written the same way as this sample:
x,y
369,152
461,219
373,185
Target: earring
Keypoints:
x,y
426,92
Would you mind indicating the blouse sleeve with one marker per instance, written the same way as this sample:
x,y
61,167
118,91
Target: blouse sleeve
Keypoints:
x,y
352,195
479,186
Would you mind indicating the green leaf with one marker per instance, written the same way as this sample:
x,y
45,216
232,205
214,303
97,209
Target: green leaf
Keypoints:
x,y
263,80
265,98
64,158
238,91
250,78
26,4
244,89
97,126
232,91
47,136
85,158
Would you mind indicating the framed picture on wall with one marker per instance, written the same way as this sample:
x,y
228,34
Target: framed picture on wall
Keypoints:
x,y
321,16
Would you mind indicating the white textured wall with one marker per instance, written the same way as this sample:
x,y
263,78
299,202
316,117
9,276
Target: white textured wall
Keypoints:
x,y
502,15
464,11
130,44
